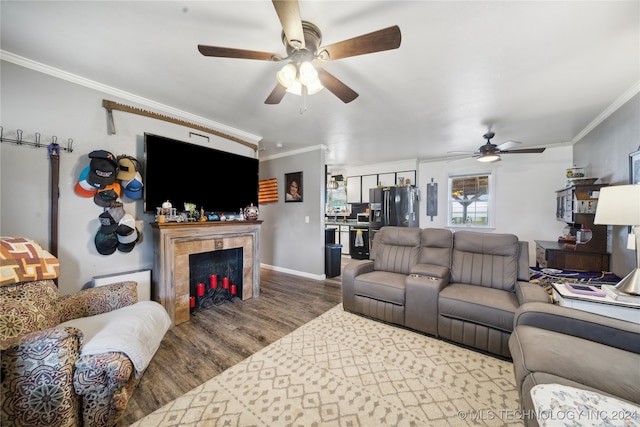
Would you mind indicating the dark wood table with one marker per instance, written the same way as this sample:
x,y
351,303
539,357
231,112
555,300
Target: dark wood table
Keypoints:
x,y
564,256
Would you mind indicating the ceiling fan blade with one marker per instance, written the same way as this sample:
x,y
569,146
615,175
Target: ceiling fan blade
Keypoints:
x,y
226,52
523,151
385,39
335,86
289,14
276,95
508,144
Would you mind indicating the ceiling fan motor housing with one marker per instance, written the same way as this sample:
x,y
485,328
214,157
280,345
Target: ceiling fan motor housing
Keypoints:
x,y
312,40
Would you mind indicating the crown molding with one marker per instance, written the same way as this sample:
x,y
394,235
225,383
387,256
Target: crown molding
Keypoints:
x,y
91,84
626,96
294,152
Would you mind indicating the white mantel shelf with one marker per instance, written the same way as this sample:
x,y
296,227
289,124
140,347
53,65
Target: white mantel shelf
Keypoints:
x,y
175,241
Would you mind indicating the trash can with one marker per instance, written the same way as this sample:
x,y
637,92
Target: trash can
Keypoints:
x,y
332,255
329,235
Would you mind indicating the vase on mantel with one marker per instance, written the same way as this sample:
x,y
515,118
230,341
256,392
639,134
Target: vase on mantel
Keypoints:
x,y
251,212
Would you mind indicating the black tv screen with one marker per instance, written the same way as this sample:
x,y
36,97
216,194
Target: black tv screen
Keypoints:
x,y
180,172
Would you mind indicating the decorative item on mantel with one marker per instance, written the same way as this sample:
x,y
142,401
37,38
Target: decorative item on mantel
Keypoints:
x,y
251,212
213,295
167,213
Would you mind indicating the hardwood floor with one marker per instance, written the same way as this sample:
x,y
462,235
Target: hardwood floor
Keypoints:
x,y
218,338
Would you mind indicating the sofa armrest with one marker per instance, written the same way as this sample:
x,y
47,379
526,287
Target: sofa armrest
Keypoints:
x,y
531,292
352,270
40,363
106,381
98,300
431,270
589,326
421,301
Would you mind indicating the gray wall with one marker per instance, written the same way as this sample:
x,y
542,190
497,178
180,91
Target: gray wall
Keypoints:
x,y
605,152
37,102
288,243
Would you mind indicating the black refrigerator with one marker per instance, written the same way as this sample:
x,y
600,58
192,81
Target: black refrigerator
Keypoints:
x,y
396,206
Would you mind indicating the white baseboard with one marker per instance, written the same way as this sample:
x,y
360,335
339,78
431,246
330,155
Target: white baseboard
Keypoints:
x,y
294,272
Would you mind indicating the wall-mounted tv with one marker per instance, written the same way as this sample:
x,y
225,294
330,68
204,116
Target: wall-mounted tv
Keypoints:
x,y
180,172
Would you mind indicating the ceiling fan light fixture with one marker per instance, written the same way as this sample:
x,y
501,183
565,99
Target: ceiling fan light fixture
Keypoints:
x,y
308,73
287,75
489,158
303,75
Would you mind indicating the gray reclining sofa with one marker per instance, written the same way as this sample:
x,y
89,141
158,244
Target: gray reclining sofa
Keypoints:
x,y
464,286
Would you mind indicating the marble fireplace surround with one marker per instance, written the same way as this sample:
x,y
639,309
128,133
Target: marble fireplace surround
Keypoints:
x,y
174,242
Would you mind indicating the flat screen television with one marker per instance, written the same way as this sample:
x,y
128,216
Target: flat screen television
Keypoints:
x,y
181,172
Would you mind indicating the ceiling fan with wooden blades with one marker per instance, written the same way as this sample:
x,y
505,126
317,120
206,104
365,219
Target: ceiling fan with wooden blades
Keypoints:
x,y
303,73
490,152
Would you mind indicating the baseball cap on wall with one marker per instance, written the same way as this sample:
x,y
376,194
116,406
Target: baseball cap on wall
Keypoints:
x,y
106,243
127,233
126,168
110,218
103,168
82,187
108,195
133,187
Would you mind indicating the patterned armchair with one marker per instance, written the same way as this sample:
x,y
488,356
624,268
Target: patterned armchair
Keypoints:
x,y
46,377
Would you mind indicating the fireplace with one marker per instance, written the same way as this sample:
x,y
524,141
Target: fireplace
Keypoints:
x,y
176,243
222,263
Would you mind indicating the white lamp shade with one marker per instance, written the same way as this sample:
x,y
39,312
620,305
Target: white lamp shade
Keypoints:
x,y
619,205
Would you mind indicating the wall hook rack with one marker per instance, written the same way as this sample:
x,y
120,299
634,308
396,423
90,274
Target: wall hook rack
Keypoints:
x,y
36,142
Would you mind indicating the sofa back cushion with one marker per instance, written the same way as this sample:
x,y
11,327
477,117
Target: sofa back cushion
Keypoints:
x,y
435,246
27,307
396,249
485,259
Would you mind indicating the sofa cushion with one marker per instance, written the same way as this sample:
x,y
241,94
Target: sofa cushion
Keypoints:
x,y
489,307
607,369
27,307
381,285
436,244
396,249
485,259
135,330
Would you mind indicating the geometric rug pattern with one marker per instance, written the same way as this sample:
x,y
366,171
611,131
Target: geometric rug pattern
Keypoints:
x,y
342,369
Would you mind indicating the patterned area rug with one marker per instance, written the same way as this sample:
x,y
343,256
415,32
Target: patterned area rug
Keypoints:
x,y
341,369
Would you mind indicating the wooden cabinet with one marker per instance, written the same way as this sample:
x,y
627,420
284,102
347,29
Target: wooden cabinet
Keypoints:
x,y
565,257
368,182
354,189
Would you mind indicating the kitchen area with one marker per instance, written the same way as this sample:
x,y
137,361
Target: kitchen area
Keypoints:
x,y
358,206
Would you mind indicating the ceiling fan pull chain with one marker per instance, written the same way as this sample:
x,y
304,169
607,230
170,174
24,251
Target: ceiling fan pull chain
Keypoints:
x,y
303,103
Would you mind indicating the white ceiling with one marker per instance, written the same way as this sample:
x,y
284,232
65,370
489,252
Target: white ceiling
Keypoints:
x,y
539,72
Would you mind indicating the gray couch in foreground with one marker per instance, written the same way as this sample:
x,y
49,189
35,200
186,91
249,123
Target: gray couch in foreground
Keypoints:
x,y
552,344
464,286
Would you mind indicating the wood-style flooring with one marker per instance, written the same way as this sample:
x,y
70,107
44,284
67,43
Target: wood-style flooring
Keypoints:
x,y
222,336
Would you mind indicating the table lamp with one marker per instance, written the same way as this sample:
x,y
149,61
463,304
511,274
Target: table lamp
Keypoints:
x,y
620,205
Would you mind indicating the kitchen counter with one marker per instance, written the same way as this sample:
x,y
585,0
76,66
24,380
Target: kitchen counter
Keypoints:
x,y
345,233
349,223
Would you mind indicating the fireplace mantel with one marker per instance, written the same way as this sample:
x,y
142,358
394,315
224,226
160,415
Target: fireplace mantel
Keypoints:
x,y
175,241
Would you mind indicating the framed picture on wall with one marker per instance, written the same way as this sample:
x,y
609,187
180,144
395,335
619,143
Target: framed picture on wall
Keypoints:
x,y
293,187
634,167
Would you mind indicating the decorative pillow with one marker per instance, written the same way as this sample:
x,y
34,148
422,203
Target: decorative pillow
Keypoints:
x,y
23,260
